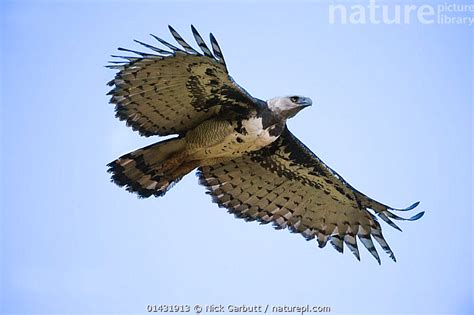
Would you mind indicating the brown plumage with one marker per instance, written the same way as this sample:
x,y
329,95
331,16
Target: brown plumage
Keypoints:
x,y
246,157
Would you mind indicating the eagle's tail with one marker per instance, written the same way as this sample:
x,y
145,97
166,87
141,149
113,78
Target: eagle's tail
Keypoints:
x,y
154,169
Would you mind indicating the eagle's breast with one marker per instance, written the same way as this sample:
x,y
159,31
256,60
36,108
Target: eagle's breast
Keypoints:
x,y
255,135
248,135
231,138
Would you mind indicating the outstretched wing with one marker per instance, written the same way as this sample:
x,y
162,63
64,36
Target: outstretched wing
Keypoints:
x,y
172,91
285,183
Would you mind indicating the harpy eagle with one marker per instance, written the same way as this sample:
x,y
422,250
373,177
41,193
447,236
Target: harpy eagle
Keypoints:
x,y
248,160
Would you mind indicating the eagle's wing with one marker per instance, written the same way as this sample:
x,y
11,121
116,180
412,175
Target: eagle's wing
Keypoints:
x,y
285,183
170,92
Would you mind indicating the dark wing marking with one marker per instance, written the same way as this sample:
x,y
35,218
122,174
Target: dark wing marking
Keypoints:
x,y
172,47
170,92
217,50
201,43
182,42
286,184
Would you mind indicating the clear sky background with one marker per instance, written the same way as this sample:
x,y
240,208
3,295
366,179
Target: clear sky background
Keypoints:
x,y
392,114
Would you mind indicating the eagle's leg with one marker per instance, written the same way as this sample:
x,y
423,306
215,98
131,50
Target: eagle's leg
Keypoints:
x,y
172,163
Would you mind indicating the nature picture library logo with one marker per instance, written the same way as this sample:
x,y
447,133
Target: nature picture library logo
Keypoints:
x,y
373,12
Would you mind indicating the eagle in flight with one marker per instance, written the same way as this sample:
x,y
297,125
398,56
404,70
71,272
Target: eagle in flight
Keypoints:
x,y
248,160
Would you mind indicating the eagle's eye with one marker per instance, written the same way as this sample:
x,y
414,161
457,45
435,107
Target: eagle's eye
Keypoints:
x,y
294,99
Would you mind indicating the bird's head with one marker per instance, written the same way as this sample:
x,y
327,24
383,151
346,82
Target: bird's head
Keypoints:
x,y
288,106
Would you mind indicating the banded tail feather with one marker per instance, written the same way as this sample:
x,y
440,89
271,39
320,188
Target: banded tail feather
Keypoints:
x,y
152,170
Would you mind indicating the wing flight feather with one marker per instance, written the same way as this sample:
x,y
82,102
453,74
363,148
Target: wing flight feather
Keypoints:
x,y
172,91
285,183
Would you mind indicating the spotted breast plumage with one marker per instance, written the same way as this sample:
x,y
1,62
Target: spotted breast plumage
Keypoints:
x,y
248,160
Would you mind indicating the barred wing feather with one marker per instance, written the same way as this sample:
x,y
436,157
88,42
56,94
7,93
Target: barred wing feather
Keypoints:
x,y
171,91
288,185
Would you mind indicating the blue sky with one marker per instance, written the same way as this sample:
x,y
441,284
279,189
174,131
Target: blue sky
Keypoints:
x,y
392,114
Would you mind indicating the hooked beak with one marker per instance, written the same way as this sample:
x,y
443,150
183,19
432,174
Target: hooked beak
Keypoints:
x,y
303,102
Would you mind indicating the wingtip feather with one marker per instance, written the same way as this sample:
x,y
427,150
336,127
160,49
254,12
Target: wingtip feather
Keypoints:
x,y
413,206
417,216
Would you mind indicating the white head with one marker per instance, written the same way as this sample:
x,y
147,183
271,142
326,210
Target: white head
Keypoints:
x,y
288,106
